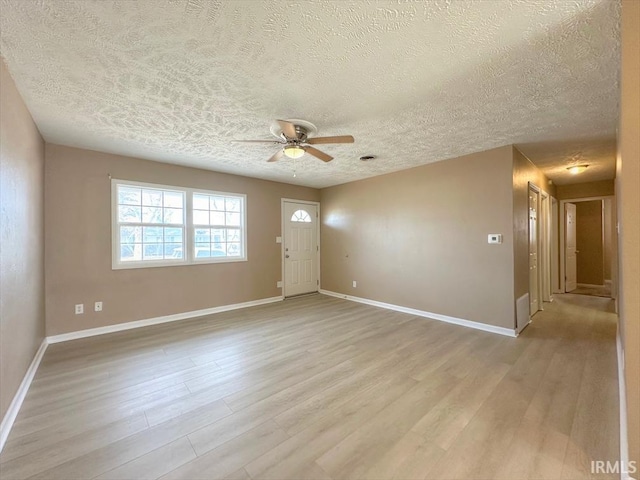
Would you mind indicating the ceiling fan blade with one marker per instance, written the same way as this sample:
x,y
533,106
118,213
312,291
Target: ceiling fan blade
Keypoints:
x,y
338,139
275,142
318,154
288,128
276,156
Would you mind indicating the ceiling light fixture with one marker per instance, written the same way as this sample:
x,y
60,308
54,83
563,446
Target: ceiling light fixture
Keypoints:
x,y
576,169
293,151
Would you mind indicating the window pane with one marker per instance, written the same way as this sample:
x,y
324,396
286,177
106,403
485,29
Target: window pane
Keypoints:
x,y
129,214
217,203
173,235
130,252
218,250
217,235
233,219
232,204
130,234
129,195
200,217
233,235
233,249
172,250
151,215
152,198
202,235
152,235
173,215
152,252
200,202
173,199
202,250
217,218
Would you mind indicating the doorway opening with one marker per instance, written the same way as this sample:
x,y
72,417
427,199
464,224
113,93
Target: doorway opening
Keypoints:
x,y
300,247
588,246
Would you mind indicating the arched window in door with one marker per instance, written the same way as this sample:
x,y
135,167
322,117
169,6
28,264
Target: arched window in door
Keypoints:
x,y
301,216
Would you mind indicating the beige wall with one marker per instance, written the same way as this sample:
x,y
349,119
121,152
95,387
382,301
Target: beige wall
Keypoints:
x,y
628,198
418,238
589,242
78,243
524,172
21,239
585,190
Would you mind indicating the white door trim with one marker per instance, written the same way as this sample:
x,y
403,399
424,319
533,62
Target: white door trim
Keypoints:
x,y
555,245
562,230
545,241
282,230
539,192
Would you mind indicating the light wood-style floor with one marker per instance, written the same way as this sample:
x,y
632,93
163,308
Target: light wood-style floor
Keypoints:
x,y
319,387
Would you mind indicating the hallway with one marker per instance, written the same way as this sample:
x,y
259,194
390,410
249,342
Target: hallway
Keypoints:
x,y
580,387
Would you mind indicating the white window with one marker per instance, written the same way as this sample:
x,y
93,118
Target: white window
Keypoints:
x,y
158,225
301,216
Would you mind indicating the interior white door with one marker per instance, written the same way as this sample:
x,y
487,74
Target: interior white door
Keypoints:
x,y
300,248
570,254
534,280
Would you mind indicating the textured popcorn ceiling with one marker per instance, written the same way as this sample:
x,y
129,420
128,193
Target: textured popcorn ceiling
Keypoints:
x,y
414,82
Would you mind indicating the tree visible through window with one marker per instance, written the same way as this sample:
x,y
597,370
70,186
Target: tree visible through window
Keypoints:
x,y
300,216
150,223
154,225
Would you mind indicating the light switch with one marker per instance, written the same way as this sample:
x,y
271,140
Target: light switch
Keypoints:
x,y
278,239
495,238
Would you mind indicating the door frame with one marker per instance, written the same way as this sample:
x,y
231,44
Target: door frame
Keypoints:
x,y
555,245
282,233
561,221
545,241
539,248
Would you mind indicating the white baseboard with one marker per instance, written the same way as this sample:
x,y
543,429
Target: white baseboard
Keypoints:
x,y
421,313
622,393
16,403
589,285
91,332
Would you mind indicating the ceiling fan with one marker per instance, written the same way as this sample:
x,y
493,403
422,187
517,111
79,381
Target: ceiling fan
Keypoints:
x,y
296,138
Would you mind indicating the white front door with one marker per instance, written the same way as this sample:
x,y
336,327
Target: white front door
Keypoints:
x,y
571,260
534,280
300,248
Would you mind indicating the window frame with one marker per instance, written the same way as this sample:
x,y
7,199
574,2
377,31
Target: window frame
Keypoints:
x,y
189,257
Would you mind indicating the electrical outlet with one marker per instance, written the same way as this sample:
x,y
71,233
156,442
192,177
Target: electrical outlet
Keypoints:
x,y
279,284
355,284
79,309
98,306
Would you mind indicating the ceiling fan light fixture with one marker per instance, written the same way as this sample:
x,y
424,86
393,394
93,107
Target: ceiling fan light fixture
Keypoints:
x,y
576,169
293,151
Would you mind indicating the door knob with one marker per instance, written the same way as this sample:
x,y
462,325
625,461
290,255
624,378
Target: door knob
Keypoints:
x,y
286,256
577,251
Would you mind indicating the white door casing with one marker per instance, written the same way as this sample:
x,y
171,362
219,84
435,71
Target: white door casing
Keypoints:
x,y
570,255
534,280
300,247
